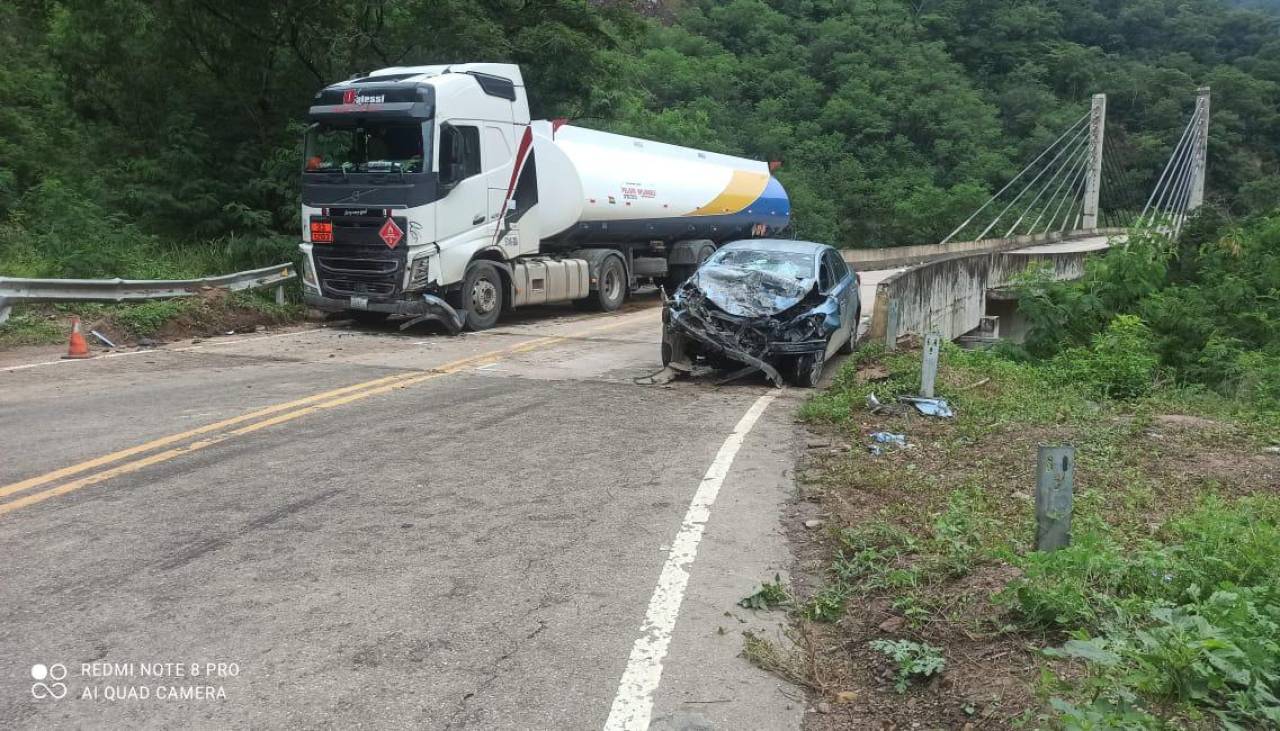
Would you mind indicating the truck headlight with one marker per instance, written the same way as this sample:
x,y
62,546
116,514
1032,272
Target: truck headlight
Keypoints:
x,y
309,273
418,273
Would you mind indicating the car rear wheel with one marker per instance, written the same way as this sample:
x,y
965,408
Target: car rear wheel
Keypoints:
x,y
806,370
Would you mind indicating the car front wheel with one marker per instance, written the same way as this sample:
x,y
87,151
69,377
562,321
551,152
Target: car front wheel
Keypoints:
x,y
806,370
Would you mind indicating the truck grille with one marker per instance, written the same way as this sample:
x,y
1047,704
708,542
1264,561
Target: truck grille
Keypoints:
x,y
369,270
358,262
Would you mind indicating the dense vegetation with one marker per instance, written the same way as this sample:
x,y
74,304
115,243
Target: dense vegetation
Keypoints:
x,y
142,138
1202,313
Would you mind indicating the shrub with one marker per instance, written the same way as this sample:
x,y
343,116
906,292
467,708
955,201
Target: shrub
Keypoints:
x,y
913,659
1192,619
1121,362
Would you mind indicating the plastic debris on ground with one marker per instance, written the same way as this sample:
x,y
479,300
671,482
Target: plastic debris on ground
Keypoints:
x,y
884,437
929,406
875,406
883,440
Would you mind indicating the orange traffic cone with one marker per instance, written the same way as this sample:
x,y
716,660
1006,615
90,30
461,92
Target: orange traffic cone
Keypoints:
x,y
77,347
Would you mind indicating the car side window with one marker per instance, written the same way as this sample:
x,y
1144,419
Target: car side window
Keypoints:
x,y
459,152
826,277
838,267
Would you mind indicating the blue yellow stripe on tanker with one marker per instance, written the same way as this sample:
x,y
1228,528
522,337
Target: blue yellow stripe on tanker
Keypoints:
x,y
751,198
751,205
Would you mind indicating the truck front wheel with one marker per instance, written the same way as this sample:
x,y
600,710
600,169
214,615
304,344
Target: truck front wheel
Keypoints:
x,y
482,296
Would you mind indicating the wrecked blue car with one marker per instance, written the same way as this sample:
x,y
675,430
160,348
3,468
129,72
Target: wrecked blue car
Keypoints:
x,y
770,305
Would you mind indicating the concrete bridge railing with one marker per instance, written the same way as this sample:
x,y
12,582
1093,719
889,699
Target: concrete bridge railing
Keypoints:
x,y
898,256
948,295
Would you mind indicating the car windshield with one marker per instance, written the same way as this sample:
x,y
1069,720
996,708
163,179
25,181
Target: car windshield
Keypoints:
x,y
792,264
367,148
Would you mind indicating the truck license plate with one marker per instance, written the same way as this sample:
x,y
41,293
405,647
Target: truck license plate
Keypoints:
x,y
359,303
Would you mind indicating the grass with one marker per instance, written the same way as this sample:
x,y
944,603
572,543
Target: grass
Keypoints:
x,y
48,324
1164,610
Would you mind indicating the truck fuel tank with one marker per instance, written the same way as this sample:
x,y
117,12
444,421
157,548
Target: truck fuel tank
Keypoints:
x,y
542,280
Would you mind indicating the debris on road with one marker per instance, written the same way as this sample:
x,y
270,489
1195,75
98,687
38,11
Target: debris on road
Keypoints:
x,y
876,406
929,406
657,378
102,338
884,437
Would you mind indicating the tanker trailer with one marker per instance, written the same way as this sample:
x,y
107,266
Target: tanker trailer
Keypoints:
x,y
428,192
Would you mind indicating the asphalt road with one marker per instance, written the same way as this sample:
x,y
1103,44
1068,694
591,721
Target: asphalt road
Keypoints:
x,y
352,528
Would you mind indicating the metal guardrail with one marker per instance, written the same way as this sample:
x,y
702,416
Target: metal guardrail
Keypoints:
x,y
14,289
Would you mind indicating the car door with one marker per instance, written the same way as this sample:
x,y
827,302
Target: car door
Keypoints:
x,y
465,201
852,291
839,286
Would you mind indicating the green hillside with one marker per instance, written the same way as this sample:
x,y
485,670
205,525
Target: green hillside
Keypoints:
x,y
159,138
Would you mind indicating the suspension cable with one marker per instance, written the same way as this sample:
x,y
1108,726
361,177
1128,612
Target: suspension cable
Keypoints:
x,y
1081,145
1031,184
1185,132
1071,172
1015,178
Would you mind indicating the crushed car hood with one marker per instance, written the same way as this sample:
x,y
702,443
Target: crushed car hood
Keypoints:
x,y
749,292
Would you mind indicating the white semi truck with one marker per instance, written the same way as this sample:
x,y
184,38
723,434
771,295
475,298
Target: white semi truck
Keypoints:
x,y
427,191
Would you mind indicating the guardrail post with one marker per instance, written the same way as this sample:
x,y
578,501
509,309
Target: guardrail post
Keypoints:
x,y
891,326
5,309
1055,483
929,364
280,294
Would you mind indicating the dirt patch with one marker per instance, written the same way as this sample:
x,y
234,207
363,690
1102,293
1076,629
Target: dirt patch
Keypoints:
x,y
1185,421
212,313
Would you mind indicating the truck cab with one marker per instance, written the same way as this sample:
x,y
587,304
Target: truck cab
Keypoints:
x,y
380,152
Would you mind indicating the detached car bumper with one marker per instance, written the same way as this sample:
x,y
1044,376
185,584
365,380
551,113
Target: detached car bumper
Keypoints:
x,y
423,307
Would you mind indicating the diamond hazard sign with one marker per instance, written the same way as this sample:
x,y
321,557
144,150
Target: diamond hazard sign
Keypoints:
x,y
390,233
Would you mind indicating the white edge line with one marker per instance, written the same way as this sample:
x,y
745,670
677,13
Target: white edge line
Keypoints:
x,y
211,343
633,705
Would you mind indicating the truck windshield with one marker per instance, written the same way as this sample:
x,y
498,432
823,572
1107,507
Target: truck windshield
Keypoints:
x,y
368,148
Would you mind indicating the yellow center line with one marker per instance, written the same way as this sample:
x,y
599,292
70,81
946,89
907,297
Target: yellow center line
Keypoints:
x,y
309,405
173,438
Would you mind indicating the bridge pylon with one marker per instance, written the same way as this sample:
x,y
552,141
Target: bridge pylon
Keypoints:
x,y
1201,150
1093,173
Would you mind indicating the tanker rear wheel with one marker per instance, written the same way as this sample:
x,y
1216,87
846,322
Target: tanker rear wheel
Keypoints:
x,y
611,288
